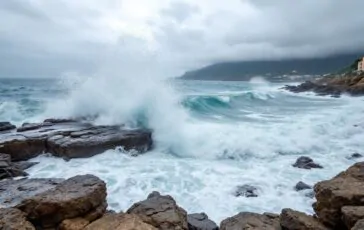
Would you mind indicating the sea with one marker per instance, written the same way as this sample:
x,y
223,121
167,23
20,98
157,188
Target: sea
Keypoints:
x,y
210,137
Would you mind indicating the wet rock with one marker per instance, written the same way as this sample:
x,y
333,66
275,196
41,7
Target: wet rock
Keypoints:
x,y
200,221
5,126
90,142
359,225
70,139
73,224
251,221
8,169
346,189
119,222
306,163
302,186
294,220
13,192
72,198
14,219
247,191
161,211
24,165
58,120
352,214
354,156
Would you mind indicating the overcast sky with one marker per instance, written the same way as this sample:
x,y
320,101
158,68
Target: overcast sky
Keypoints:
x,y
44,38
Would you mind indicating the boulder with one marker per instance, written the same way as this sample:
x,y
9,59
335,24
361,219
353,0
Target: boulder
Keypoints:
x,y
302,186
14,219
251,221
73,224
119,222
161,211
354,156
5,126
75,197
359,225
294,220
352,214
246,190
13,192
306,163
346,189
22,148
200,221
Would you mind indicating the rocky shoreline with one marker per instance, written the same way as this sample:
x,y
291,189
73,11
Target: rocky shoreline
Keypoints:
x,y
79,203
333,85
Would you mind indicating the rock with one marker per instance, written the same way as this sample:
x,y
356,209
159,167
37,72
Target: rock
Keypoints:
x,y
352,214
251,221
94,141
71,139
359,225
302,186
119,222
58,120
24,165
14,219
246,190
306,163
13,192
346,189
72,198
5,126
200,221
73,224
161,211
294,220
8,169
355,156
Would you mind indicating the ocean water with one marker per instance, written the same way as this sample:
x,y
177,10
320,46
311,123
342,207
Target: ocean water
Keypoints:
x,y
210,138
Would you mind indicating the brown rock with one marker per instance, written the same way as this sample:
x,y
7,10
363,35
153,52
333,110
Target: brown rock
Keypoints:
x,y
359,225
352,214
294,220
72,198
73,224
13,192
161,211
251,221
346,189
21,148
14,219
119,222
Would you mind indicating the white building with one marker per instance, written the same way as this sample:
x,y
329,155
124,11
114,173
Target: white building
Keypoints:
x,y
361,64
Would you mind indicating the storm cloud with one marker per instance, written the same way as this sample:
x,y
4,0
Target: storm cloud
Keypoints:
x,y
45,38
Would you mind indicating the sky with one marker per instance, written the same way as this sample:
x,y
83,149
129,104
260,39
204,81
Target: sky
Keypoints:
x,y
47,38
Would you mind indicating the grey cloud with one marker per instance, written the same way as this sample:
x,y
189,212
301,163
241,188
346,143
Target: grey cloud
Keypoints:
x,y
180,11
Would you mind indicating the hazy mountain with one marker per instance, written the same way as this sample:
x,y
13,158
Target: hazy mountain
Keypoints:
x,y
244,70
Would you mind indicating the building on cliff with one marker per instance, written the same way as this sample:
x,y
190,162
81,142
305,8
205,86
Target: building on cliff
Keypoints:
x,y
361,64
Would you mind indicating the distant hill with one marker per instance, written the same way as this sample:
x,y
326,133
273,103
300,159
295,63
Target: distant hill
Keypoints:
x,y
245,70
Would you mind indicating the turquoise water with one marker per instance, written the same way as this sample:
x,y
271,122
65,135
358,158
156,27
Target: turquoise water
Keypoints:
x,y
210,137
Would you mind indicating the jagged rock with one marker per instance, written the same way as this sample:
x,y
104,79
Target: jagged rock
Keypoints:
x,y
294,220
352,214
23,165
119,222
5,126
72,198
302,186
359,225
200,221
251,221
306,163
13,192
14,219
346,189
71,139
246,190
73,224
161,211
